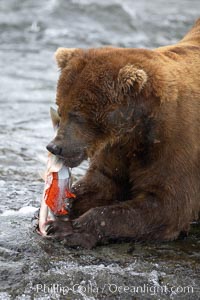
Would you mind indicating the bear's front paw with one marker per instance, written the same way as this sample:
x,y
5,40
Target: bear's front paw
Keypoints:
x,y
79,188
58,229
63,231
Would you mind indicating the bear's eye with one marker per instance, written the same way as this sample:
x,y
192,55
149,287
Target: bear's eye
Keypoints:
x,y
75,117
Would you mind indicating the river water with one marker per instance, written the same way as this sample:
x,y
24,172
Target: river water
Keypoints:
x,y
30,267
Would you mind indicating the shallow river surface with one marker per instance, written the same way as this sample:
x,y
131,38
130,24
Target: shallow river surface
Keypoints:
x,y
33,268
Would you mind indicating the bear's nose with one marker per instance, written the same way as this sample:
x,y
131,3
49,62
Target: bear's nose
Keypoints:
x,y
54,149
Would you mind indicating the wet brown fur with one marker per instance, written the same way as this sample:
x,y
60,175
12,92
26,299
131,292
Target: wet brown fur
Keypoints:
x,y
136,114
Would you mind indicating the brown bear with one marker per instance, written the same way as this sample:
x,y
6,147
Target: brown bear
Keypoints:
x,y
136,114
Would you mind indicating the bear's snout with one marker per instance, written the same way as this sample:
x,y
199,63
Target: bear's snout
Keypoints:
x,y
54,149
73,155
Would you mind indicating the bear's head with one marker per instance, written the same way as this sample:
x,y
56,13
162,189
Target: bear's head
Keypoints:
x,y
100,98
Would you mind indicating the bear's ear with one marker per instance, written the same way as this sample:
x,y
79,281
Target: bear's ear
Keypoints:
x,y
54,118
63,55
130,77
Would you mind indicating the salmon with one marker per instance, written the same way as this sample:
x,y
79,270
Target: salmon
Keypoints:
x,y
58,181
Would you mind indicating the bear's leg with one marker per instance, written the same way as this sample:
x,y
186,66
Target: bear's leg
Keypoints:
x,y
147,220
95,190
105,183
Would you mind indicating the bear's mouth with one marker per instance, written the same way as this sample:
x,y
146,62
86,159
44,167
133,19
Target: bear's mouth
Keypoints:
x,y
74,160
